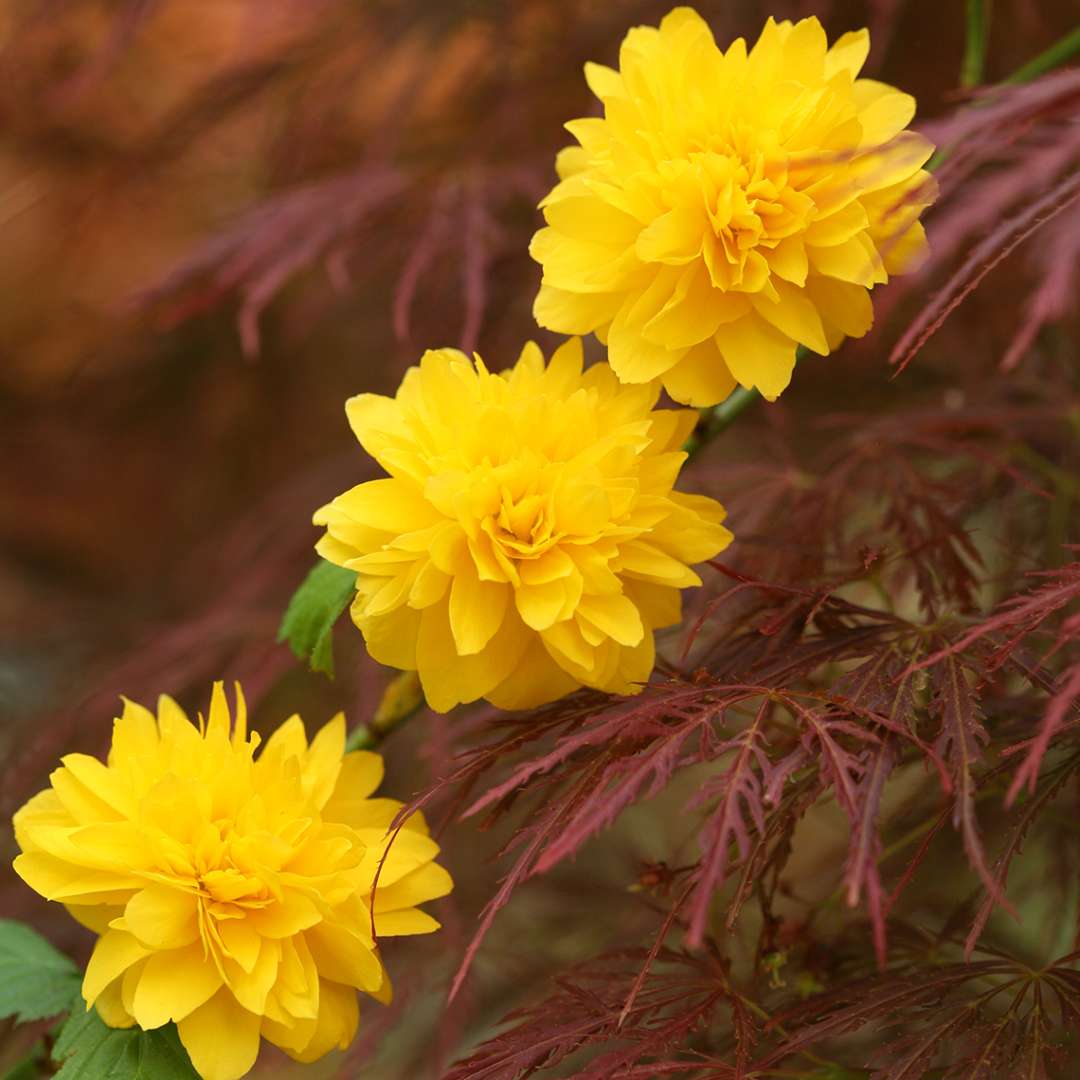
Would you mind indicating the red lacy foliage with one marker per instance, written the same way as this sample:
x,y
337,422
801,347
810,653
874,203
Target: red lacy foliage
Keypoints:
x,y
791,692
1011,165
683,994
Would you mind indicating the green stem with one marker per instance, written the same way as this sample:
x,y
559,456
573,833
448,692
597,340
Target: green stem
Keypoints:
x,y
368,736
727,412
401,699
973,68
1062,50
720,417
361,737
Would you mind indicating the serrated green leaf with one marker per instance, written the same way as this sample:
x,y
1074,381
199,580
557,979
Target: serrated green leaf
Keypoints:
x,y
36,981
312,612
88,1050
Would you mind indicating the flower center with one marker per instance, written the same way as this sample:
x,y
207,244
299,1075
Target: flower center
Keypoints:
x,y
524,527
731,197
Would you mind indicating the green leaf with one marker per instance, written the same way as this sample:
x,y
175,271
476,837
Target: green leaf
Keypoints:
x,y
36,981
88,1050
312,612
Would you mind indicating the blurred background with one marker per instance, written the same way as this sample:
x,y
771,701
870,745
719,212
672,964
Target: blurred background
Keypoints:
x,y
219,219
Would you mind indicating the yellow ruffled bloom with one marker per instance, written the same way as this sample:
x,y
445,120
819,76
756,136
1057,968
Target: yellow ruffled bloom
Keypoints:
x,y
527,540
730,206
232,892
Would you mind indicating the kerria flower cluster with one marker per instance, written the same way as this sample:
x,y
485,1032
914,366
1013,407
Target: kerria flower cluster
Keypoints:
x,y
730,206
528,540
232,891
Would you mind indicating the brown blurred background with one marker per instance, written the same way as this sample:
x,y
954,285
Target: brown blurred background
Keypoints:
x,y
220,218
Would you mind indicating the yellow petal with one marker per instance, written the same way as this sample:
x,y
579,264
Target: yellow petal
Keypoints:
x,y
289,740
647,562
788,259
297,988
377,422
701,377
571,312
848,53
535,680
883,111
840,225
552,565
44,808
405,851
395,505
569,649
110,1007
757,355
56,879
476,611
540,605
675,237
106,784
429,586
172,985
670,428
424,883
241,943
448,678
581,266
219,720
114,952
391,638
613,615
221,1038
289,915
291,1035
336,1024
344,957
135,734
322,762
843,305
570,160
163,917
95,917
635,665
602,80
360,776
794,316
406,921
588,217
633,357
660,605
907,252
694,311
804,52
855,260
252,988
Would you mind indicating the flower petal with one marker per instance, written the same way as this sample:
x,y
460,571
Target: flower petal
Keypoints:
x,y
172,985
757,355
221,1038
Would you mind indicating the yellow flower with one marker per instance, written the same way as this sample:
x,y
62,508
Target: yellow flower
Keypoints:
x,y
232,893
528,540
729,206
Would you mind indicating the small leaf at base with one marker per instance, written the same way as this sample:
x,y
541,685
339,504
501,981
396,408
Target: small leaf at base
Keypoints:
x,y
314,608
